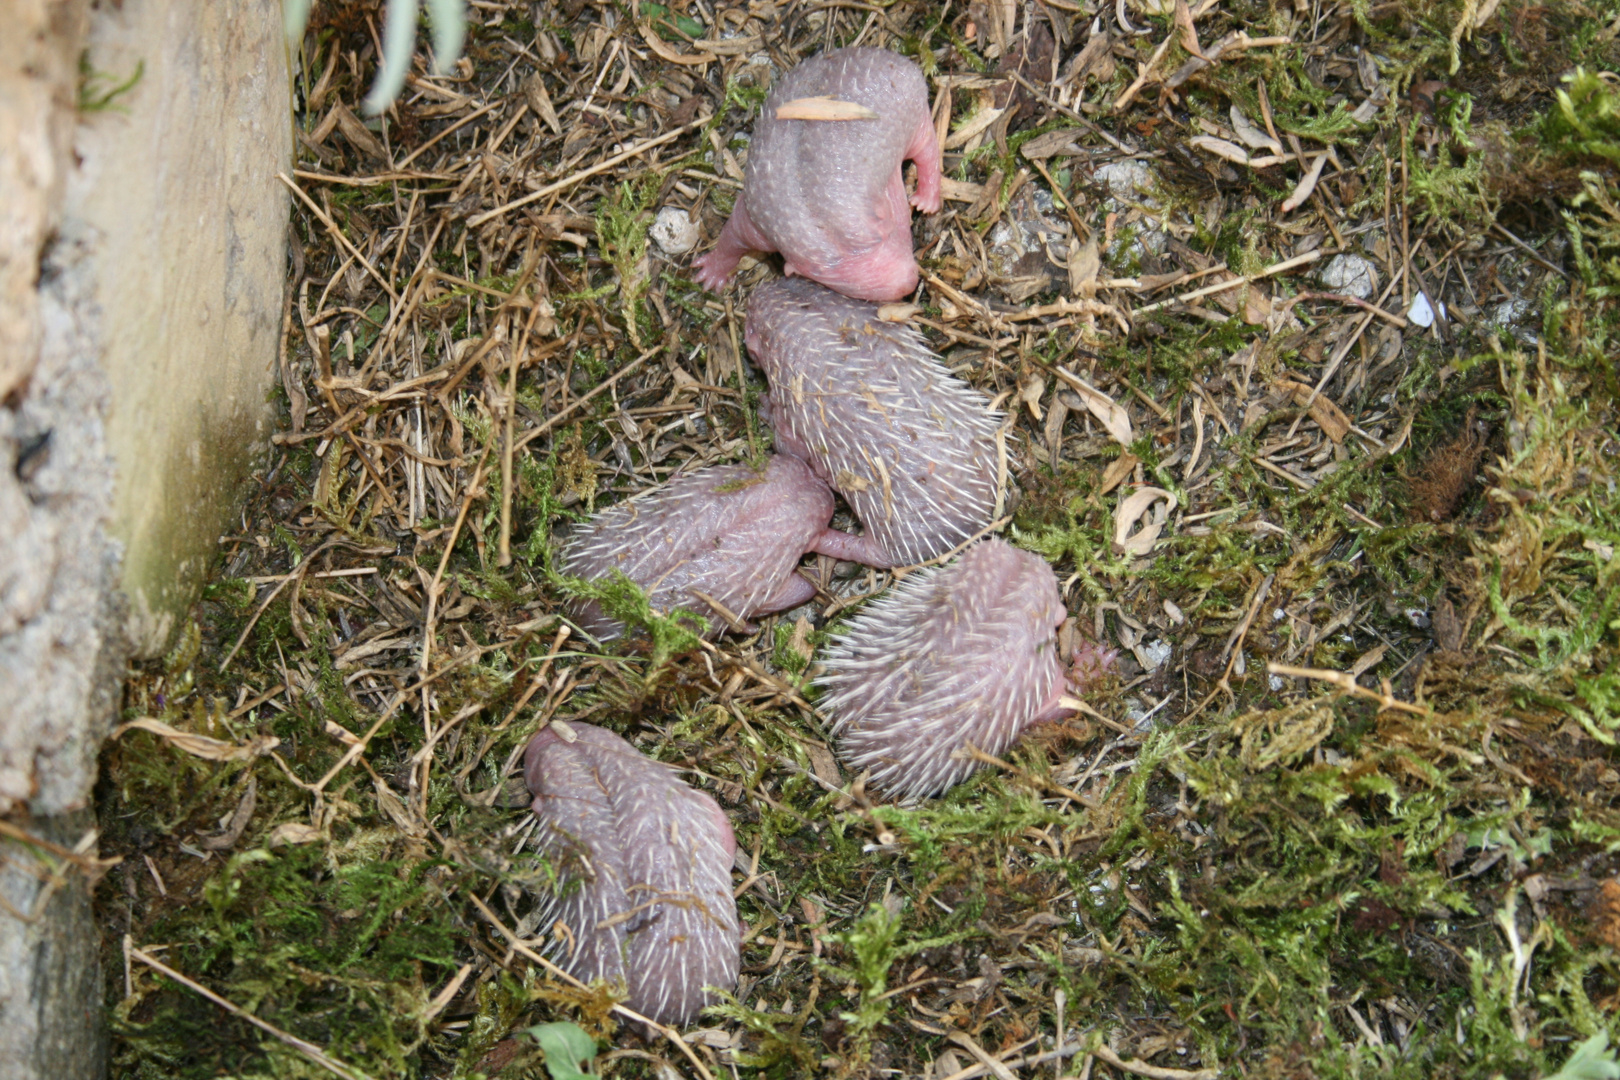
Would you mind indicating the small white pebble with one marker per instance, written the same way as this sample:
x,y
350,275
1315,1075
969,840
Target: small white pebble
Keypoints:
x,y
674,231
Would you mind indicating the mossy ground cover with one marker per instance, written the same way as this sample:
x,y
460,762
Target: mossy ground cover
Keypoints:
x,y
1347,807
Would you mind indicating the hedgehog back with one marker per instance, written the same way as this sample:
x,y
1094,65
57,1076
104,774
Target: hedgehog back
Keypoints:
x,y
818,189
911,447
963,653
730,531
645,863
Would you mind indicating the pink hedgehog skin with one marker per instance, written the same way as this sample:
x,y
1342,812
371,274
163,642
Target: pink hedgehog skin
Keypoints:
x,y
730,532
910,446
644,864
828,194
966,653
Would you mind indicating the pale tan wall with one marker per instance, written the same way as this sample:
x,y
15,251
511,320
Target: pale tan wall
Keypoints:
x,y
141,276
178,185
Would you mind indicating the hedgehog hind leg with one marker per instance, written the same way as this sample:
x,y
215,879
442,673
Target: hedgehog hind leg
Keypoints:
x,y
788,593
739,237
851,548
924,151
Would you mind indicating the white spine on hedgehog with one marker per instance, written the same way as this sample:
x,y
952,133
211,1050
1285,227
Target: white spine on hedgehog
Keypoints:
x,y
942,661
929,417
624,538
644,887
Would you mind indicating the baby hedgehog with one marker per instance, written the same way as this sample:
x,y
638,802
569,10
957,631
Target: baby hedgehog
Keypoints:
x,y
911,447
828,194
644,871
720,540
965,653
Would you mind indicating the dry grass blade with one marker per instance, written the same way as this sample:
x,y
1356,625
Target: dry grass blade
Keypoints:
x,y
201,745
1347,683
307,1049
823,108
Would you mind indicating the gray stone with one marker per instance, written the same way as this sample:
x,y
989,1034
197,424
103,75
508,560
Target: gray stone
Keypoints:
x,y
52,1023
1351,275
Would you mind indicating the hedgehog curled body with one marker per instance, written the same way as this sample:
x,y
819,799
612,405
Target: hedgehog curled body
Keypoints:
x,y
643,894
725,539
965,653
911,447
829,194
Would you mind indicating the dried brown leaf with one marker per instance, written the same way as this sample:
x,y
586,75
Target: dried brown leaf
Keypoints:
x,y
1328,416
1114,419
1084,264
1307,184
1253,137
534,92
1221,148
1137,508
1118,470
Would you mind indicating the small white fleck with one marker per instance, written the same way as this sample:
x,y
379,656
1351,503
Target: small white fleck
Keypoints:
x,y
1422,312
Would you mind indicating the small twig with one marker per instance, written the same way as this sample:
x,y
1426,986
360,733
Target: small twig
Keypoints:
x,y
308,1049
337,234
558,417
1152,1072
540,675
451,130
437,584
585,174
508,447
398,699
1143,74
1239,632
1045,99
1208,290
969,750
1389,317
296,575
1528,250
1297,481
351,571
92,866
1346,682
